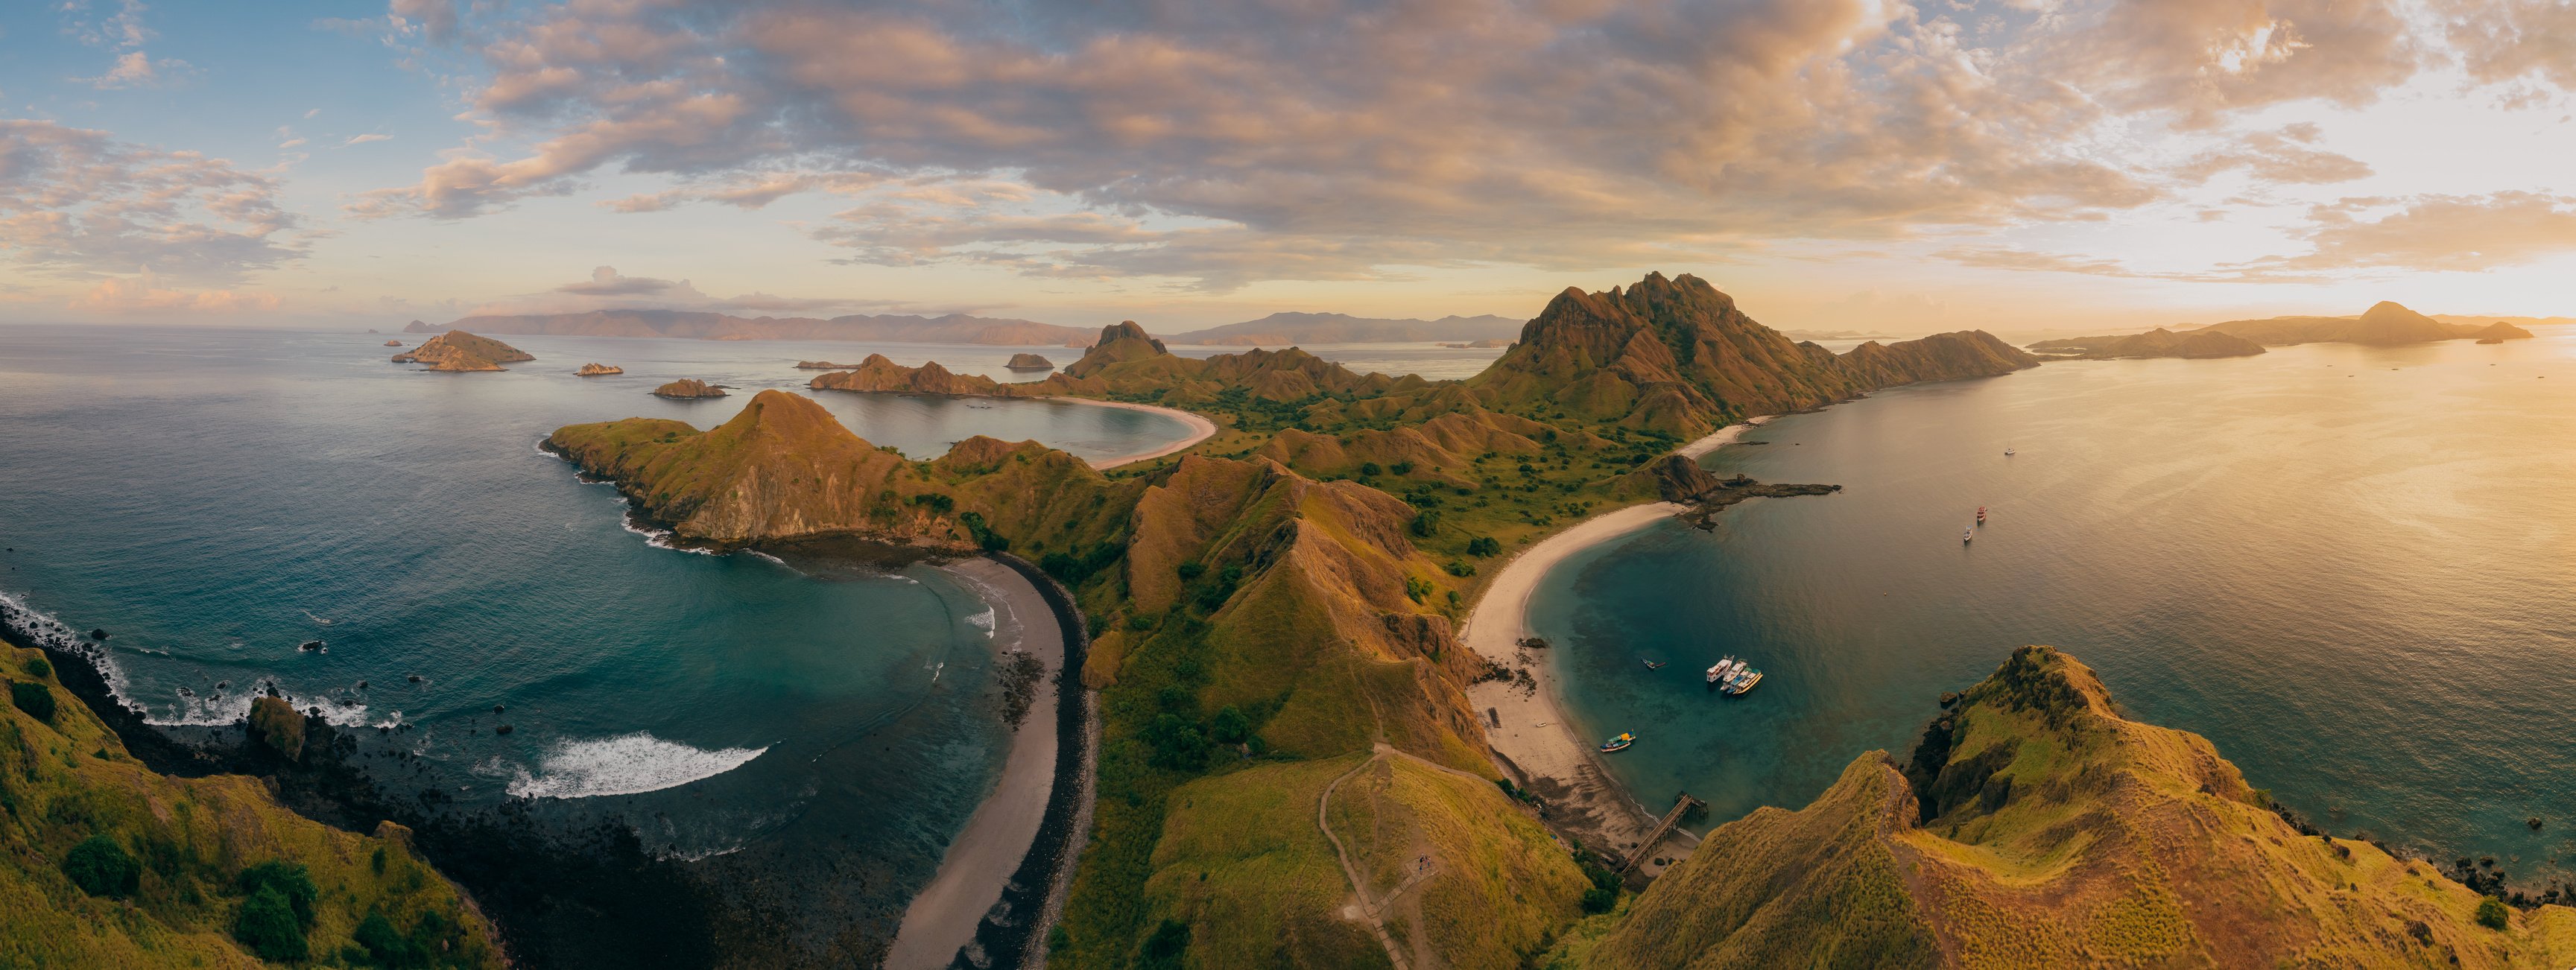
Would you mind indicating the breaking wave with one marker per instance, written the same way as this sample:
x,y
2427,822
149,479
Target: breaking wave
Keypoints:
x,y
624,765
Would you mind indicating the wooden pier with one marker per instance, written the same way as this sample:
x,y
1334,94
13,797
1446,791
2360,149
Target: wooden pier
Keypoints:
x,y
1663,828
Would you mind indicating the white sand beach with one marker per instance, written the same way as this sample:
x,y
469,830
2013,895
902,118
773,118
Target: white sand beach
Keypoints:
x,y
1201,429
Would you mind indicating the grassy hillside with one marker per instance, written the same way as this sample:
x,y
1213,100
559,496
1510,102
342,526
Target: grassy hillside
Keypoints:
x,y
2035,826
104,863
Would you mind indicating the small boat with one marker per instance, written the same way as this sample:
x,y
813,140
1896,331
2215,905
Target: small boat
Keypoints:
x,y
1968,535
1745,684
1981,515
2008,451
1721,670
1619,743
1654,665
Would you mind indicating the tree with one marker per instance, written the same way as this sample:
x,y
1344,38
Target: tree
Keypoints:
x,y
100,867
267,925
35,699
2491,913
1483,546
1230,726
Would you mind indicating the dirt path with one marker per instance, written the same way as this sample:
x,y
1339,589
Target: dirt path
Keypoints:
x,y
1368,912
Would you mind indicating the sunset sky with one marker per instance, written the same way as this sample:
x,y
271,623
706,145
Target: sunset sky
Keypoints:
x,y
1898,168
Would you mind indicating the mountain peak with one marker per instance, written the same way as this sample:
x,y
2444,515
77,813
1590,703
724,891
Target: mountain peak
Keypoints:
x,y
1119,343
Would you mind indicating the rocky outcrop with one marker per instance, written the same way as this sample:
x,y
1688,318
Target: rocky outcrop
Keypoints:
x,y
1679,478
1026,361
457,350
393,343
688,388
277,724
879,374
2160,342
598,370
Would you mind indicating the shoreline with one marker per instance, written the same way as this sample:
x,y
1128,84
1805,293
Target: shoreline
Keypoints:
x,y
1535,741
1201,429
941,919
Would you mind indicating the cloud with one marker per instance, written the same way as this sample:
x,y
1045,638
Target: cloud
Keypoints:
x,y
605,281
76,201
2505,40
365,138
136,70
1340,138
2444,233
141,294
607,289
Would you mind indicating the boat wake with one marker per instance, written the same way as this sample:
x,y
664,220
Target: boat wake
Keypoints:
x,y
624,765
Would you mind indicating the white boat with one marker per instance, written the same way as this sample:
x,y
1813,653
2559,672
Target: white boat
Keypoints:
x,y
2008,451
1968,535
1745,684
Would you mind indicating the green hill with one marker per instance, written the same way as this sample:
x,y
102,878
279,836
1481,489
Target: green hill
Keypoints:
x,y
2035,826
104,863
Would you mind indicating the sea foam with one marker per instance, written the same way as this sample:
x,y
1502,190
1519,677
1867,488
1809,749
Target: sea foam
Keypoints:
x,y
624,765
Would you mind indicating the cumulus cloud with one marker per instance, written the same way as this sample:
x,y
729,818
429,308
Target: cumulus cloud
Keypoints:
x,y
79,202
134,69
142,294
1225,142
2506,40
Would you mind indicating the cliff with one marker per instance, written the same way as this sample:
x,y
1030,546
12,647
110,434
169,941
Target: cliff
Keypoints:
x,y
688,388
104,863
2036,826
2160,342
954,328
457,350
2384,324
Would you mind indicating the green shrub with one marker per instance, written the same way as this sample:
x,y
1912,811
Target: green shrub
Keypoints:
x,y
1401,468
266,924
1416,588
1230,726
35,699
290,880
1425,523
1191,570
1461,568
1164,949
2492,914
100,867
1177,744
1483,546
37,667
1599,900
1370,468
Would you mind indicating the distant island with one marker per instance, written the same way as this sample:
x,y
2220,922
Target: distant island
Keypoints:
x,y
954,328
1029,362
822,365
688,388
1290,329
2384,324
597,370
2159,342
458,351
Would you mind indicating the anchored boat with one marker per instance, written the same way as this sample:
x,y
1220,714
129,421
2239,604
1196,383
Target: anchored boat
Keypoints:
x,y
1619,743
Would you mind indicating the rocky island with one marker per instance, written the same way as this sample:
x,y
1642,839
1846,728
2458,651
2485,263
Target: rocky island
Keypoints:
x,y
598,370
393,343
456,351
1027,361
2384,324
688,388
2160,342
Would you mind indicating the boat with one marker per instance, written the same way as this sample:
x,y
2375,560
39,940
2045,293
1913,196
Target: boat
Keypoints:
x,y
1981,515
2008,451
1619,743
1654,665
1722,669
1968,535
1745,684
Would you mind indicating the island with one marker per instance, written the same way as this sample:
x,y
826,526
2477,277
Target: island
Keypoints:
x,y
688,388
598,370
2159,342
393,343
458,351
1282,602
1026,361
2384,324
1489,343
953,328
821,365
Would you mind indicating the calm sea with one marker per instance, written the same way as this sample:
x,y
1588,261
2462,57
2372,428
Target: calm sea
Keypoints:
x,y
214,499
2349,567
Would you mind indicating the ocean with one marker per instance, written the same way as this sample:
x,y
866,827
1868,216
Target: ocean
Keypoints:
x,y
216,498
2349,567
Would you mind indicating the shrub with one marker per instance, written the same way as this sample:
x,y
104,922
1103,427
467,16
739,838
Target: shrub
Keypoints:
x,y
1191,570
292,883
37,667
1460,568
100,867
266,924
1415,588
35,699
1177,744
1164,949
1599,900
2491,913
1401,468
1483,546
1425,523
387,947
937,502
1230,726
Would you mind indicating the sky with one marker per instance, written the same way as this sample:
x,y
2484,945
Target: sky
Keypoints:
x,y
1868,165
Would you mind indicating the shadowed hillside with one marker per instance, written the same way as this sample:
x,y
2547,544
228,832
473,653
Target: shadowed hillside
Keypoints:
x,y
2035,826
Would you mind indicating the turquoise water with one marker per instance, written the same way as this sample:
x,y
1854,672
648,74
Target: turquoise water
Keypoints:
x,y
2349,567
216,498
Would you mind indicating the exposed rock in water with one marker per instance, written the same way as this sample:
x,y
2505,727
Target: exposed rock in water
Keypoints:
x,y
458,351
597,370
1681,479
275,723
1025,361
393,343
688,388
